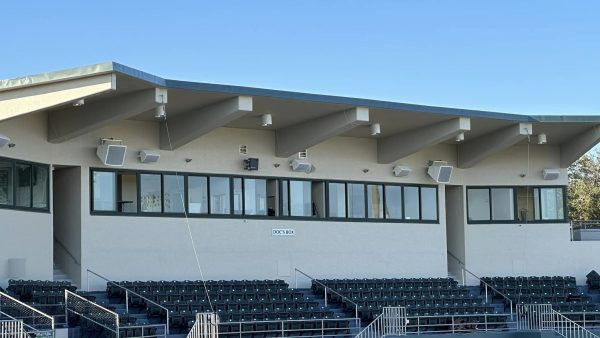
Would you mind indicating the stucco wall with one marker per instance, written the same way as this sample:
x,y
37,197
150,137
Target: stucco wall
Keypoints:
x,y
152,247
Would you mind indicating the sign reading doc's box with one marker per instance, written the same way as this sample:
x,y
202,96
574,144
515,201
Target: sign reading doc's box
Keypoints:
x,y
283,232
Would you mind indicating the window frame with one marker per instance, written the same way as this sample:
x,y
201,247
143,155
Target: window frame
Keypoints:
x,y
14,206
280,181
515,208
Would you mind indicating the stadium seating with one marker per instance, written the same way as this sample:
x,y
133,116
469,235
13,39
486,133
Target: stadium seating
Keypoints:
x,y
422,297
559,291
259,302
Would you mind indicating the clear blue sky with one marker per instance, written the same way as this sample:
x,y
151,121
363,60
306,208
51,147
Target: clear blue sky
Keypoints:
x,y
532,57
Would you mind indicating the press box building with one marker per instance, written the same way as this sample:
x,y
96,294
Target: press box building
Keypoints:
x,y
100,165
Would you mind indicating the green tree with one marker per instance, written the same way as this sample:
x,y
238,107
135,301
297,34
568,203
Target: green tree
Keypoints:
x,y
584,188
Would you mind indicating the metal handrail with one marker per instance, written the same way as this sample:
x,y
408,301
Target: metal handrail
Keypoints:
x,y
414,324
296,270
28,328
486,285
99,307
127,291
391,321
30,308
62,246
283,328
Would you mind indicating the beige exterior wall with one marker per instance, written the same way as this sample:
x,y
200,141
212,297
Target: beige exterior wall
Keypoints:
x,y
136,247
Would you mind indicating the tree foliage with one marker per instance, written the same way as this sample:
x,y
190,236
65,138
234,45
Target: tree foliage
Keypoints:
x,y
584,188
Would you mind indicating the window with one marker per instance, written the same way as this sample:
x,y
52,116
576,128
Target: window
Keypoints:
x,y
337,200
479,204
393,202
428,204
552,203
502,204
24,185
356,200
411,203
104,191
23,191
6,182
300,198
150,193
198,194
127,192
173,193
515,204
285,197
219,196
238,197
375,201
255,197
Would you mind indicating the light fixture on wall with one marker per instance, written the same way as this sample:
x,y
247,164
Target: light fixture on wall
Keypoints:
x,y
460,137
542,139
266,120
79,103
401,170
375,129
302,166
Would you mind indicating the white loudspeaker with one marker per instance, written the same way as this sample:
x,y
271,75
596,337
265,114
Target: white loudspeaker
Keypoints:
x,y
111,152
440,171
148,156
401,171
551,174
302,165
4,140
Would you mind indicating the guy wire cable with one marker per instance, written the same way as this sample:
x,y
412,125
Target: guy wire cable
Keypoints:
x,y
187,222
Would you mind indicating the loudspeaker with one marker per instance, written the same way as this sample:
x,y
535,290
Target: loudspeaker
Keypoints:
x,y
148,156
251,163
551,174
4,140
440,171
111,153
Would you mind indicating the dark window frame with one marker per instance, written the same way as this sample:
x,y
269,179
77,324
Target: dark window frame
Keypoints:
x,y
280,181
31,164
515,206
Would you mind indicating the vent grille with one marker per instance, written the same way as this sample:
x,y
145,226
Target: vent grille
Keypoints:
x,y
243,149
303,154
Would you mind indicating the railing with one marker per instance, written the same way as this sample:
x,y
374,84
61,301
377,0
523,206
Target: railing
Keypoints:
x,y
12,329
33,319
127,296
206,326
64,248
595,224
458,323
541,317
487,286
391,322
143,331
92,312
325,287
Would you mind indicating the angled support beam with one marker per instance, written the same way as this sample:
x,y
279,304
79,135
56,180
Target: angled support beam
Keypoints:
x,y
186,127
71,122
296,138
395,147
27,100
474,151
572,150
